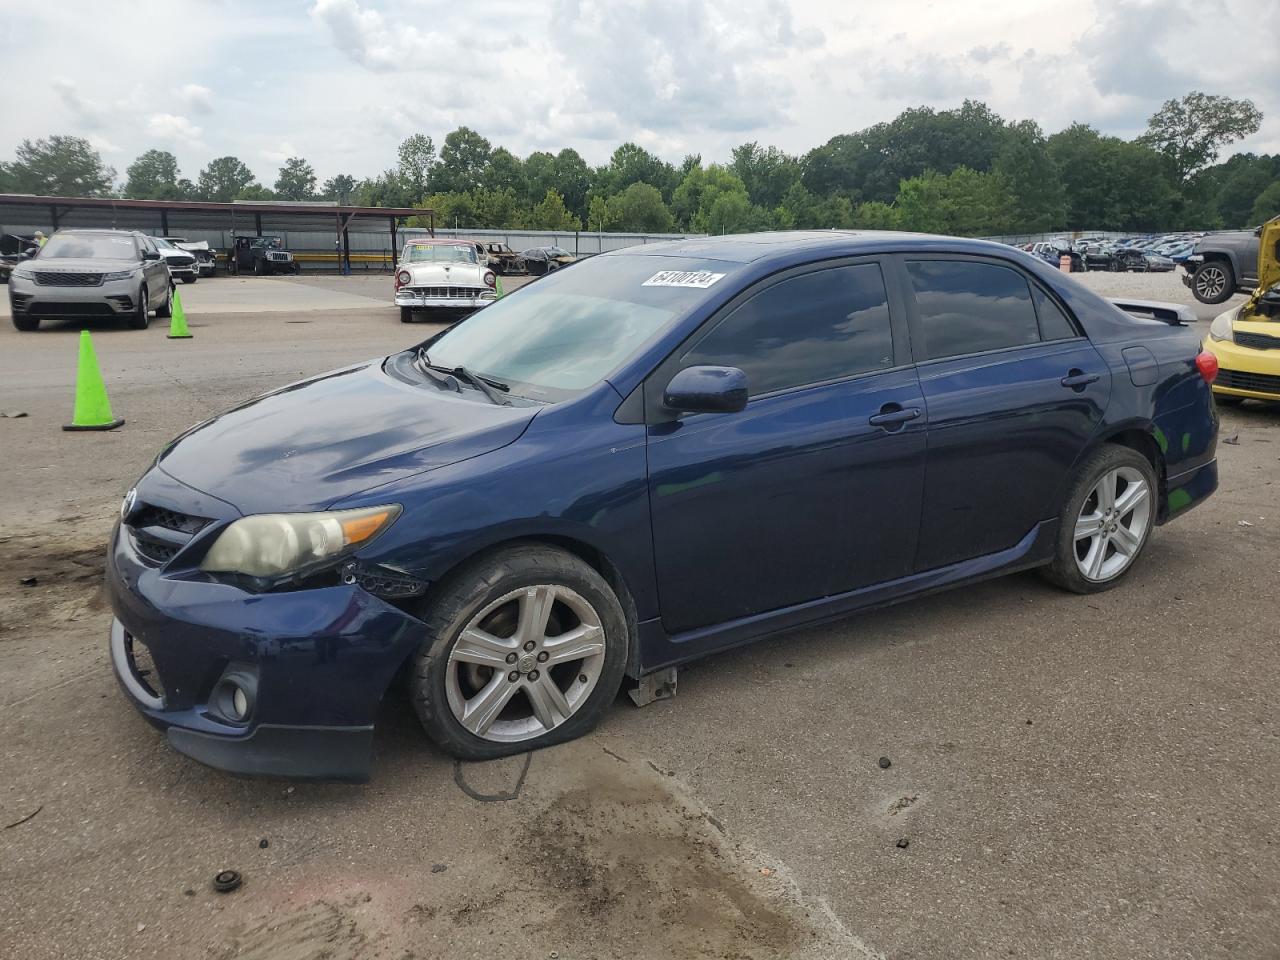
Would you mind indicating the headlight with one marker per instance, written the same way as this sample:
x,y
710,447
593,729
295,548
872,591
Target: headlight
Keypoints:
x,y
404,278
119,274
489,278
22,273
275,544
1221,328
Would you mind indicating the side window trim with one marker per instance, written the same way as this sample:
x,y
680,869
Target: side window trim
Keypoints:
x,y
1053,298
916,325
657,380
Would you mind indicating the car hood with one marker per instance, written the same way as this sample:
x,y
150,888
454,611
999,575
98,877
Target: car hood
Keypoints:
x,y
313,443
444,274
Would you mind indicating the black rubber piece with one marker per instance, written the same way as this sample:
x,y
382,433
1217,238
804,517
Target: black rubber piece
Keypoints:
x,y
227,880
74,427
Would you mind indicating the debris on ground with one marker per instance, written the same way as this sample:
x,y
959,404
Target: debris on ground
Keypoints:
x,y
264,843
1243,523
29,581
13,414
29,816
902,803
904,843
438,868
227,880
766,871
885,763
1234,440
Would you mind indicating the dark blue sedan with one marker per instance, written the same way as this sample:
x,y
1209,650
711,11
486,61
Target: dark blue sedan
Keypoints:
x,y
664,452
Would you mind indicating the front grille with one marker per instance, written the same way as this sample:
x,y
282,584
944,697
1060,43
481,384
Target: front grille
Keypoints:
x,y
100,308
449,293
50,278
159,533
1257,341
149,516
1239,380
275,255
181,262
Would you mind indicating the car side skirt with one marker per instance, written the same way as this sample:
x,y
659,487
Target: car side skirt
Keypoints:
x,y
659,650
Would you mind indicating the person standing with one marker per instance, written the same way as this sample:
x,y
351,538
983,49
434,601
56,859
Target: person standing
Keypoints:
x,y
41,239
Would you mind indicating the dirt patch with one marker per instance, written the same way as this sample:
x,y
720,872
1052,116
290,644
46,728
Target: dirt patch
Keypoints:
x,y
598,859
58,581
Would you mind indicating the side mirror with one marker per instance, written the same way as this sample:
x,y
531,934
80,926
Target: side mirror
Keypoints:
x,y
150,254
707,389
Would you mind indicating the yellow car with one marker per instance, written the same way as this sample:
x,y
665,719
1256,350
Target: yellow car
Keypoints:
x,y
1246,339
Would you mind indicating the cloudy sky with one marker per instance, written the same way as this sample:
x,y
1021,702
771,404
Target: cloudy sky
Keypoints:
x,y
341,82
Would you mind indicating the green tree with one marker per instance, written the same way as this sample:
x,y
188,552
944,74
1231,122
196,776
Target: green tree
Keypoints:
x,y
963,202
504,172
640,209
496,209
572,179
154,176
1111,184
798,209
255,191
60,166
296,180
416,161
1039,201
599,214
767,172
551,214
1190,131
340,189
1267,206
632,163
384,190
463,159
693,199
451,210
1236,184
224,179
874,215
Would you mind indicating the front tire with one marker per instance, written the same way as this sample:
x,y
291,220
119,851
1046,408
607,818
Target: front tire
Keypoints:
x,y
1213,282
165,310
1106,521
26,324
406,314
190,279
140,319
524,648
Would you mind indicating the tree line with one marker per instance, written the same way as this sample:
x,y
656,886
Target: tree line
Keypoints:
x,y
963,171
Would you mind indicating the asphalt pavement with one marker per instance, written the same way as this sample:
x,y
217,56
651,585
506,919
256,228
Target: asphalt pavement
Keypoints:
x,y
1073,777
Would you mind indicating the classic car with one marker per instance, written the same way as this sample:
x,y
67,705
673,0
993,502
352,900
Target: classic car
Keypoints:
x,y
260,255
541,260
206,258
442,276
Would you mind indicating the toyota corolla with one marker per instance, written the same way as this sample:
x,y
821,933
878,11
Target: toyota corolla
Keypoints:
x,y
664,452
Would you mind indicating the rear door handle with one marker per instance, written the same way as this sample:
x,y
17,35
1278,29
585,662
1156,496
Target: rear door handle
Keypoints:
x,y
1078,378
891,414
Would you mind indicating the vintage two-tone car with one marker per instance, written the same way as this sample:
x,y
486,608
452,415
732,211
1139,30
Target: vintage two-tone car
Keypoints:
x,y
443,277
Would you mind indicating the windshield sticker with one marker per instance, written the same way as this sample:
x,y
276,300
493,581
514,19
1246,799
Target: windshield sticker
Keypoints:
x,y
698,279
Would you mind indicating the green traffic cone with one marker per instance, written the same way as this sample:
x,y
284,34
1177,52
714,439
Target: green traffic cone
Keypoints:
x,y
178,322
498,287
93,409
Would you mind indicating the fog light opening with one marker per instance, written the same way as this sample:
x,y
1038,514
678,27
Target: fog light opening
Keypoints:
x,y
234,697
239,704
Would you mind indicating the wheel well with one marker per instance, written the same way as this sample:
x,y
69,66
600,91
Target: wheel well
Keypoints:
x,y
1143,443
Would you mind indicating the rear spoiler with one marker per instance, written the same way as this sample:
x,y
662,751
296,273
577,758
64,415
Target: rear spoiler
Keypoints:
x,y
1174,314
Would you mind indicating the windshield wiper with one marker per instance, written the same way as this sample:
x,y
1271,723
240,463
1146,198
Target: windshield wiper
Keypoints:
x,y
486,385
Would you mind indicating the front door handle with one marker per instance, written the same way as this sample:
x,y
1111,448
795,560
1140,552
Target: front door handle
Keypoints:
x,y
1078,379
891,415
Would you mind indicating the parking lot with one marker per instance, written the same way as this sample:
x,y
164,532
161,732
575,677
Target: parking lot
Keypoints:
x,y
1073,776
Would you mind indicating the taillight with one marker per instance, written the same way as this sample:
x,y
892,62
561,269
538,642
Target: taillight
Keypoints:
x,y
1207,364
490,278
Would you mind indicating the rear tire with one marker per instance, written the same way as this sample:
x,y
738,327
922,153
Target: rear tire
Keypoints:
x,y
512,583
1090,562
140,319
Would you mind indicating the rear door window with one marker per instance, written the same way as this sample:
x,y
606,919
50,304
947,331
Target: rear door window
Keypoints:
x,y
811,328
967,306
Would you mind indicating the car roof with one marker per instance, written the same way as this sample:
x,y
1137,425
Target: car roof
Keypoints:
x,y
750,247
102,230
440,240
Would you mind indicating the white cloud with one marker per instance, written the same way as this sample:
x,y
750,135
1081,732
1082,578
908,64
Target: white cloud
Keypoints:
x,y
197,98
173,129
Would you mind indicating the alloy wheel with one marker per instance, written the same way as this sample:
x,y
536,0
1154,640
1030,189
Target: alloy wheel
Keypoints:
x,y
525,663
1210,282
1113,524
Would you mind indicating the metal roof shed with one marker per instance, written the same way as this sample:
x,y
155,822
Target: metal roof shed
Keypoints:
x,y
179,216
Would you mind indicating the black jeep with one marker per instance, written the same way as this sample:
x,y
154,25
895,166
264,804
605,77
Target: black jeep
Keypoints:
x,y
260,255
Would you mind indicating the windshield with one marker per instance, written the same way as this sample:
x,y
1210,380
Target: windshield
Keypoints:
x,y
95,246
439,253
163,244
266,242
569,331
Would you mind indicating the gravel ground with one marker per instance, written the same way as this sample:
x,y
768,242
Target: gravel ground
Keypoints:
x,y
1075,777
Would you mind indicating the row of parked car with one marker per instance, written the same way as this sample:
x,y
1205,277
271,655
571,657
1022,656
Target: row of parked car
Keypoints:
x,y
1128,254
